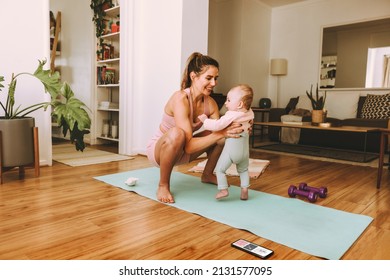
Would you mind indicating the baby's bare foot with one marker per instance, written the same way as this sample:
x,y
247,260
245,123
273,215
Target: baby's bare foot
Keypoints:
x,y
164,195
222,193
244,194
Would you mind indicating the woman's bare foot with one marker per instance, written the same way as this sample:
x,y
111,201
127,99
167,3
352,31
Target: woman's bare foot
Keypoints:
x,y
209,179
164,195
244,194
222,193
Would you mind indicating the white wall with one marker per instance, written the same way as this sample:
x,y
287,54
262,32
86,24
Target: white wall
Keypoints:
x,y
239,36
296,36
25,40
225,41
165,33
77,48
194,28
255,48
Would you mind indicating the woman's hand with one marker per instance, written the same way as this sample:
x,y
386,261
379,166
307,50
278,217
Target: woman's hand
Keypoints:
x,y
250,128
233,131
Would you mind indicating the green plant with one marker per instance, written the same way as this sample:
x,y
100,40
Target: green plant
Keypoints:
x,y
99,7
69,112
317,101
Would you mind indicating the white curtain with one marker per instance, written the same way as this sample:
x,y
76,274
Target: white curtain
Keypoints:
x,y
386,71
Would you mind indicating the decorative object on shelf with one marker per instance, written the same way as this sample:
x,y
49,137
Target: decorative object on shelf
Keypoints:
x,y
265,103
278,68
69,112
104,105
317,102
109,77
105,75
106,128
114,27
114,129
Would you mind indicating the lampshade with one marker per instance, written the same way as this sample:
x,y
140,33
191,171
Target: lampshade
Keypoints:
x,y
278,67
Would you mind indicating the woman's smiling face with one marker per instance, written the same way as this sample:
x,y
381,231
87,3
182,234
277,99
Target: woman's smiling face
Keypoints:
x,y
206,81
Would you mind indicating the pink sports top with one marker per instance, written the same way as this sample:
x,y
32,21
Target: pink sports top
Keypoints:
x,y
168,121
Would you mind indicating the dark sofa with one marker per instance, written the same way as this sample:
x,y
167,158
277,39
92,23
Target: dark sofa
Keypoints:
x,y
333,139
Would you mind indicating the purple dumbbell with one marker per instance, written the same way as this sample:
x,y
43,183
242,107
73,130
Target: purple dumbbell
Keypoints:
x,y
322,191
311,196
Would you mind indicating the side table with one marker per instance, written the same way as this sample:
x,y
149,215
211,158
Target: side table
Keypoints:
x,y
263,112
383,148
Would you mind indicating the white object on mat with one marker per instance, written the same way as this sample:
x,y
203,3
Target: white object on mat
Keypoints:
x,y
131,181
256,168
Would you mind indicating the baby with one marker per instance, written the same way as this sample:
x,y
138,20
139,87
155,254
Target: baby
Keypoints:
x,y
236,150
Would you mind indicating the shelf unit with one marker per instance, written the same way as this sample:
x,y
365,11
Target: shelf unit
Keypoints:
x,y
328,71
107,82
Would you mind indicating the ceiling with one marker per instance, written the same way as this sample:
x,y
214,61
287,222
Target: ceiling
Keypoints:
x,y
278,3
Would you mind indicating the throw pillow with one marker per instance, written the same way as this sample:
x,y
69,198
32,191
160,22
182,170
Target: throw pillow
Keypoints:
x,y
304,103
362,99
376,107
342,105
300,112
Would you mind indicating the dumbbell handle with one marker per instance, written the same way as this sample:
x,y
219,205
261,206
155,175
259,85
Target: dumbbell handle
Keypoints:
x,y
311,196
322,191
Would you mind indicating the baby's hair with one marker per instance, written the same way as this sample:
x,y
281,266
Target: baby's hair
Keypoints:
x,y
247,95
197,63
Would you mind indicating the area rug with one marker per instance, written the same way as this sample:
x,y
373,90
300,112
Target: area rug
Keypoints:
x,y
346,155
67,154
255,169
313,229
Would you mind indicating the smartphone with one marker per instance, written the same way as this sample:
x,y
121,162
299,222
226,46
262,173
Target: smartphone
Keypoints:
x,y
252,248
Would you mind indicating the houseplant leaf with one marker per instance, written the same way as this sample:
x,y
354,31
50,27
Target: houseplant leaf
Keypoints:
x,y
49,80
71,110
67,110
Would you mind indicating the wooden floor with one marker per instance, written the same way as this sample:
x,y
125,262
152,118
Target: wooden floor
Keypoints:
x,y
66,214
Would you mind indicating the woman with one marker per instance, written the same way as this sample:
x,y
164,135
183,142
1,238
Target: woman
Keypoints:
x,y
176,141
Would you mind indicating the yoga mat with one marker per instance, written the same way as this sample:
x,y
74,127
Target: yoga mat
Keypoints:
x,y
310,228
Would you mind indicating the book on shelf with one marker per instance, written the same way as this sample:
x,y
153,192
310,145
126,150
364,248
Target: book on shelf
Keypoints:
x,y
105,75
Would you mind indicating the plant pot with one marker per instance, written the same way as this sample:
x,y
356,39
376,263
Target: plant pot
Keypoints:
x,y
17,141
318,116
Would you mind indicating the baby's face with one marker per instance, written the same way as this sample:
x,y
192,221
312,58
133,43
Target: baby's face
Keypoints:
x,y
233,99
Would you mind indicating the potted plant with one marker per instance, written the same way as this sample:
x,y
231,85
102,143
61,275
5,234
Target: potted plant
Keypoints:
x,y
99,7
68,111
317,103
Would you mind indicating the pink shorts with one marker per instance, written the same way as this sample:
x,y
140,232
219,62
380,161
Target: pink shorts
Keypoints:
x,y
150,149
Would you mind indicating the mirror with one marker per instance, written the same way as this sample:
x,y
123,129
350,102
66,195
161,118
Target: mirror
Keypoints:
x,y
345,50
